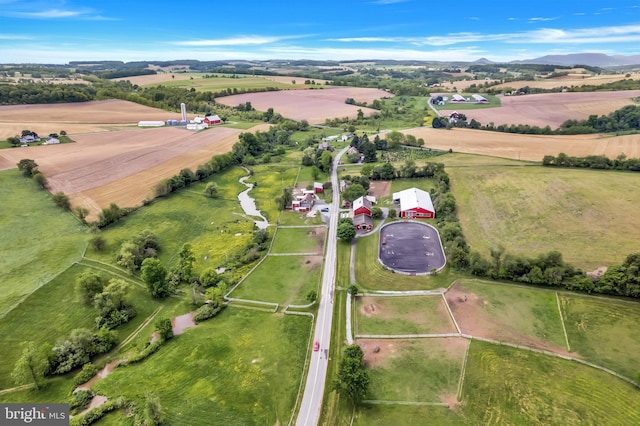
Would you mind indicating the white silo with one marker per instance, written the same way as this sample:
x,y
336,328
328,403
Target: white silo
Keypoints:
x,y
183,109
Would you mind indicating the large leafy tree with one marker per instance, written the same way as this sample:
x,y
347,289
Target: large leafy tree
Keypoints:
x,y
155,276
346,231
353,380
354,191
30,366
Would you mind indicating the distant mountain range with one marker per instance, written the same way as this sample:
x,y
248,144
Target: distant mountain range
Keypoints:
x,y
592,59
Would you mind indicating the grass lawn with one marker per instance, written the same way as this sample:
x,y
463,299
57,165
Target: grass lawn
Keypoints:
x,y
384,415
271,179
402,315
282,279
505,385
299,240
417,370
509,313
53,311
589,216
219,83
603,332
370,274
39,240
240,368
215,227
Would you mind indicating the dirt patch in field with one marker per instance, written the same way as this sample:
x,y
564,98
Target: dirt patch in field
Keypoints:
x,y
315,106
469,311
319,234
380,188
451,399
312,262
550,109
526,147
597,273
376,351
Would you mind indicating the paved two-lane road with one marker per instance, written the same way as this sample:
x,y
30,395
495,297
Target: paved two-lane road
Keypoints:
x,y
309,412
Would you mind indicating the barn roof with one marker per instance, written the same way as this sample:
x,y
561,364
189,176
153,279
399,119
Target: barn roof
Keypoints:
x,y
361,202
414,198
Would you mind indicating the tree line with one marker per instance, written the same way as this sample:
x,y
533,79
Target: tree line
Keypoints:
x,y
599,162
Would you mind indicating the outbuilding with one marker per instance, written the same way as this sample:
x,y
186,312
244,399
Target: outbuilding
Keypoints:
x,y
414,203
363,222
361,205
212,120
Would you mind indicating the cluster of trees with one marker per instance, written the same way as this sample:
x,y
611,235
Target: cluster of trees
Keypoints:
x,y
601,162
621,280
45,93
133,252
109,297
625,119
29,168
322,159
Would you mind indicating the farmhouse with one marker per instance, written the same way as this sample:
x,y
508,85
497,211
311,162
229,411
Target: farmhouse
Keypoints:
x,y
32,137
361,205
302,202
414,203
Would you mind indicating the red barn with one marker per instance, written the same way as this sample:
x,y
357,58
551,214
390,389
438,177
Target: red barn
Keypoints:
x,y
361,205
415,203
212,120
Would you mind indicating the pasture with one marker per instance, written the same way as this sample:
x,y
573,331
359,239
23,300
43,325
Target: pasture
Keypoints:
x,y
215,227
603,332
39,239
589,216
55,309
402,315
526,316
270,180
219,83
417,370
243,367
507,385
282,279
299,240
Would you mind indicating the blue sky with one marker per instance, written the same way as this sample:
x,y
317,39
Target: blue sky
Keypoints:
x,y
58,31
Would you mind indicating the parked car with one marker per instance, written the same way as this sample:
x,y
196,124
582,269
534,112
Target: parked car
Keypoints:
x,y
324,209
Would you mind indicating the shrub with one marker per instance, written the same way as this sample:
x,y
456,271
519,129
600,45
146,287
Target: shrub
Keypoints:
x,y
80,399
88,371
206,311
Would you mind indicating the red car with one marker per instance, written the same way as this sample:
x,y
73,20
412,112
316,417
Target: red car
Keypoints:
x,y
316,346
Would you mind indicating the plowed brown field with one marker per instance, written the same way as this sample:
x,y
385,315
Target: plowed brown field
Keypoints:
x,y
315,106
551,109
526,147
122,167
79,117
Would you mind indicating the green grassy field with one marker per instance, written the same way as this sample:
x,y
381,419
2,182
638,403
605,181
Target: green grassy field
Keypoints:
x,y
221,83
271,179
603,332
282,279
53,311
509,386
513,314
299,240
215,227
39,240
589,216
384,415
402,315
241,368
417,370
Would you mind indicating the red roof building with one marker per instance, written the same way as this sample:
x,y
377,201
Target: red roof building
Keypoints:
x,y
415,203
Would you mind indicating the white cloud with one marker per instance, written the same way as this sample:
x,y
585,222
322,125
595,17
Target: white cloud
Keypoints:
x,y
389,1
541,19
235,41
619,34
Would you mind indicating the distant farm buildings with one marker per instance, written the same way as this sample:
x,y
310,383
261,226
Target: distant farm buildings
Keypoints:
x,y
414,203
458,99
